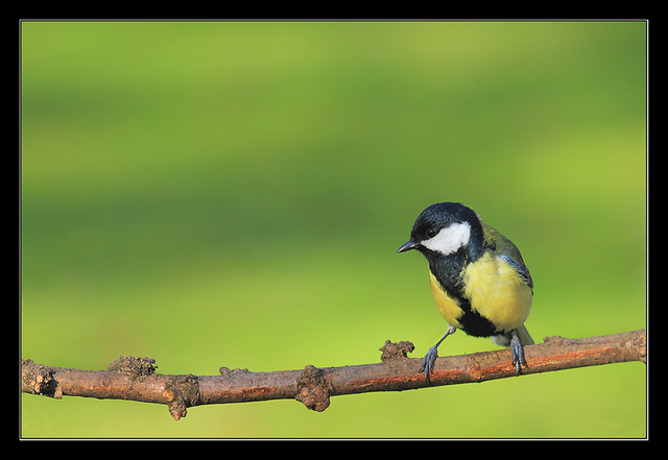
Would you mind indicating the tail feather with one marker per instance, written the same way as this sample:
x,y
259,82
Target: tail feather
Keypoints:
x,y
522,334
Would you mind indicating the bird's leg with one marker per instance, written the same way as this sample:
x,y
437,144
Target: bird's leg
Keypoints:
x,y
430,358
517,351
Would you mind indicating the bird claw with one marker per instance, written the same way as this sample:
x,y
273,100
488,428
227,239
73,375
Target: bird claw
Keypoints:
x,y
517,352
428,363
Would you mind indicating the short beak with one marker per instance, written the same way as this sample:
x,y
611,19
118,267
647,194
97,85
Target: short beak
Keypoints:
x,y
407,246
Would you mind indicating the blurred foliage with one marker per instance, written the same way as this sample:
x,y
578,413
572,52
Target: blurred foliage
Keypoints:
x,y
232,194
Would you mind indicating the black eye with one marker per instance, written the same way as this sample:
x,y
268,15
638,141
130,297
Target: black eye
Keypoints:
x,y
431,233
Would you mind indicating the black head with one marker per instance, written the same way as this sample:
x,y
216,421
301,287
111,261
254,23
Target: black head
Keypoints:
x,y
443,229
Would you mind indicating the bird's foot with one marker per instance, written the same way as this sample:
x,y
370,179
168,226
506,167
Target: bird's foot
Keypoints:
x,y
517,351
428,363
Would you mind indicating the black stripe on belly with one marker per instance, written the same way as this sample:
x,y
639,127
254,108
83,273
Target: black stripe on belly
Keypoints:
x,y
473,323
447,272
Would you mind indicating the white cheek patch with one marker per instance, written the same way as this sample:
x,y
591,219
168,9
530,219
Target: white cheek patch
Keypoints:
x,y
450,238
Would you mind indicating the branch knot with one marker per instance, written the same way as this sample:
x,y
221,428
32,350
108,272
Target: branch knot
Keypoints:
x,y
38,379
313,389
181,392
133,367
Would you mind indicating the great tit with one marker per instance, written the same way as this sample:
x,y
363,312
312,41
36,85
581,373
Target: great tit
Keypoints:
x,y
478,279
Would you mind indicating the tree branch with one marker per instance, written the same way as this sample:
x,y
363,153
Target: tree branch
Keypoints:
x,y
135,378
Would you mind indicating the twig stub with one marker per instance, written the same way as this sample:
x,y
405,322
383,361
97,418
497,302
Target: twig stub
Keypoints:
x,y
398,350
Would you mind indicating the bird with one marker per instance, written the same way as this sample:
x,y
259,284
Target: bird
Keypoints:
x,y
478,279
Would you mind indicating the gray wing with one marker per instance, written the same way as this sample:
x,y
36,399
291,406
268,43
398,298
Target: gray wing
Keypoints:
x,y
503,247
521,270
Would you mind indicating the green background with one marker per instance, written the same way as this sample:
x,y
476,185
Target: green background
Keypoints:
x,y
233,194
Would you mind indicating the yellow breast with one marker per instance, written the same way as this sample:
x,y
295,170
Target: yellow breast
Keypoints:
x,y
446,305
497,292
